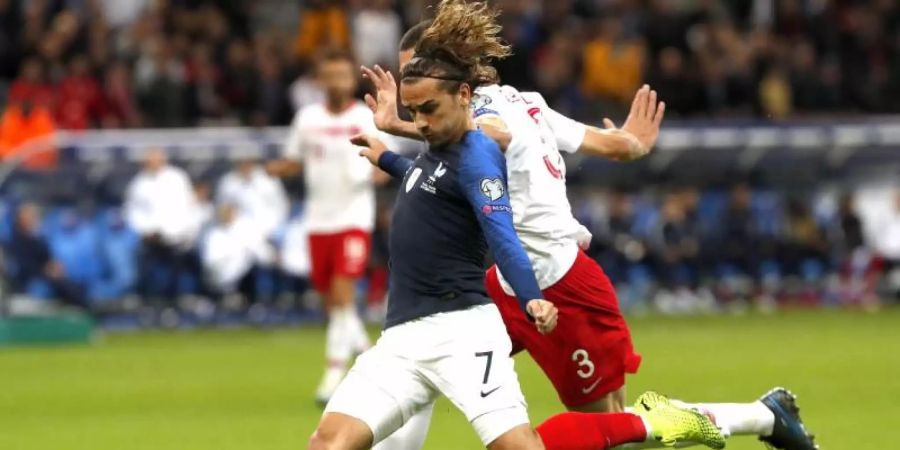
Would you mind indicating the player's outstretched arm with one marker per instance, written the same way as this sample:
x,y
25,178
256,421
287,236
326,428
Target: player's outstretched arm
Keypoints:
x,y
379,156
482,178
638,134
384,104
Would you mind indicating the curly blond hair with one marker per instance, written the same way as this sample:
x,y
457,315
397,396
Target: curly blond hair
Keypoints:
x,y
459,44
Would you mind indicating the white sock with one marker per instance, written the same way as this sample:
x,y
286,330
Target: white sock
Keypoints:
x,y
356,331
337,342
737,418
411,436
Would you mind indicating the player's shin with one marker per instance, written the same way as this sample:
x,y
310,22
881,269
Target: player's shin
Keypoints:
x,y
591,431
338,350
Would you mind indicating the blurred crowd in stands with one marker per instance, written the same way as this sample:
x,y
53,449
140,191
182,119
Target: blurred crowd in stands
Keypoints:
x,y
163,63
181,248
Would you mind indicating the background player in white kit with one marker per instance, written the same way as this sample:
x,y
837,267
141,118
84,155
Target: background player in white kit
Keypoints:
x,y
340,205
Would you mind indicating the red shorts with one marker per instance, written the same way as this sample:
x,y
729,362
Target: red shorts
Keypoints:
x,y
587,356
343,254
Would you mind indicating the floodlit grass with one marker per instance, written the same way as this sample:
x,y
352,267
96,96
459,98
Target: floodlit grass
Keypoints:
x,y
252,389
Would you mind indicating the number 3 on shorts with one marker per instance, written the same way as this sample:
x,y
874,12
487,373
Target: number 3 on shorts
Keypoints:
x,y
585,365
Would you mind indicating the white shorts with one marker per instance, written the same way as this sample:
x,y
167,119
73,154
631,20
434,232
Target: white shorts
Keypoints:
x,y
463,355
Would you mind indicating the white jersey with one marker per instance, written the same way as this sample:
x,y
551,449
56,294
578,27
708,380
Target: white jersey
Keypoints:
x,y
537,178
339,191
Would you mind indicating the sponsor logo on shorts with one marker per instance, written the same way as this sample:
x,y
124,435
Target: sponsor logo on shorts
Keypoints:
x,y
485,394
593,386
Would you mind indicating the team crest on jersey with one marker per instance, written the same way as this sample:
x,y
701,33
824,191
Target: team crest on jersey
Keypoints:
x,y
479,101
411,181
492,188
428,185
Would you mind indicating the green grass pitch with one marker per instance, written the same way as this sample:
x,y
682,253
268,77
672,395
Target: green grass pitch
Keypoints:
x,y
251,389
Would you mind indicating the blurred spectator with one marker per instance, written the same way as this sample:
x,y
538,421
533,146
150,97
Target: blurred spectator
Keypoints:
x,y
272,107
35,271
741,251
31,86
258,197
159,203
612,63
239,78
119,13
675,83
677,246
775,95
233,253
376,34
205,100
323,24
161,84
804,241
27,131
80,103
120,103
859,268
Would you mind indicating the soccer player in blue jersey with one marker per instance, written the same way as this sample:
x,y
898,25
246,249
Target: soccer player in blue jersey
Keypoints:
x,y
443,335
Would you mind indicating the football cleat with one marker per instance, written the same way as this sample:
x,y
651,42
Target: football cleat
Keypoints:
x,y
672,425
789,432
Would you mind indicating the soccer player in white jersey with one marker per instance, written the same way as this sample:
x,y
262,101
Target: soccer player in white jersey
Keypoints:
x,y
587,360
340,205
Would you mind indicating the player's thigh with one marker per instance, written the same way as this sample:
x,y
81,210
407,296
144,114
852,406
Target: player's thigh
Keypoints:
x,y
321,258
340,431
342,291
588,356
585,363
522,437
476,373
412,435
382,390
613,402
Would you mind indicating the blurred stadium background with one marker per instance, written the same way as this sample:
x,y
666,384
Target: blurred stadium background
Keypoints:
x,y
774,187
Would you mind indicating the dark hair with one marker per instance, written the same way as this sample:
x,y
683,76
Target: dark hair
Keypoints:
x,y
457,46
413,35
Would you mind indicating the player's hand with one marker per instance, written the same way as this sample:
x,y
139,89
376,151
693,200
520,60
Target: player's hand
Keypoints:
x,y
372,147
384,104
643,121
544,314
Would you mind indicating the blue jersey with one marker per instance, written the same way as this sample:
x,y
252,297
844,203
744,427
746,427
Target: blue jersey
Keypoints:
x,y
452,205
